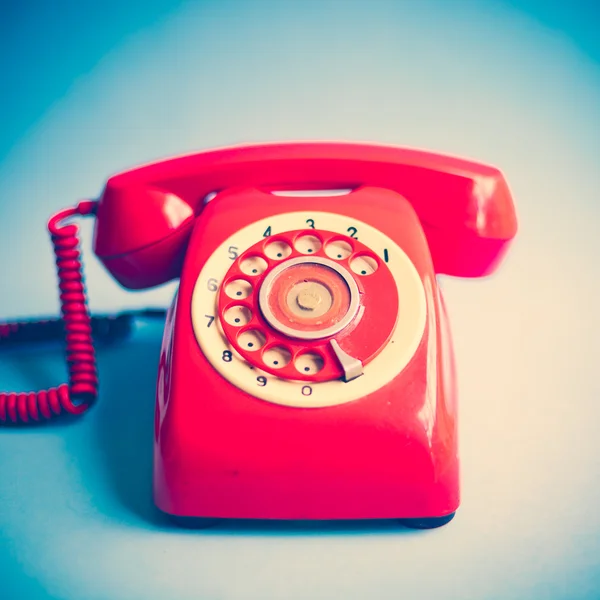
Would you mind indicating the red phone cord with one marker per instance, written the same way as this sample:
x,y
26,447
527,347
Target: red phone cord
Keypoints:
x,y
82,389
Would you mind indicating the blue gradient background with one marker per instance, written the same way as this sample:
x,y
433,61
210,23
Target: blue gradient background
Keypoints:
x,y
87,90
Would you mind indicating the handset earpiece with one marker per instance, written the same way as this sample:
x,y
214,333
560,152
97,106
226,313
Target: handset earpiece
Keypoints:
x,y
141,234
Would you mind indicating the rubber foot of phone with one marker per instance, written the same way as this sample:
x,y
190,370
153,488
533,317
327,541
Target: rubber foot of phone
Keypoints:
x,y
427,523
194,522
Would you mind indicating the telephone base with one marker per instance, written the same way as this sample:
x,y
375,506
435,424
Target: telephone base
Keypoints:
x,y
427,523
208,522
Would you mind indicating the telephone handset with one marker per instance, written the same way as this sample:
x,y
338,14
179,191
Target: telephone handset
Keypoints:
x,y
465,208
306,370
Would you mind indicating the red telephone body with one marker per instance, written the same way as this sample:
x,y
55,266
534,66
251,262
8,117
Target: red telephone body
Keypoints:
x,y
220,451
306,369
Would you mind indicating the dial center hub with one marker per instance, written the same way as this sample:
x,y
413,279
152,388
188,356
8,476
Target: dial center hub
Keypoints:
x,y
309,298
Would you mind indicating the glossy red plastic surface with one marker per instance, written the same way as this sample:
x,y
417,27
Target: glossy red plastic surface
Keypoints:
x,y
465,207
220,452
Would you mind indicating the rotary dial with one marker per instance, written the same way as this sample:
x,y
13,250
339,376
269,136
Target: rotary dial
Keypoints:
x,y
308,305
308,309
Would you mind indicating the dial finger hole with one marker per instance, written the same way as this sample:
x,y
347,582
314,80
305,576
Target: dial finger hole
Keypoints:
x,y
278,250
277,357
309,363
338,250
307,244
238,316
363,265
252,340
238,289
253,265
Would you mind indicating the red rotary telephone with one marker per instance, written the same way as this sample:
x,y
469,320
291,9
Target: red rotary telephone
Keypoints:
x,y
306,369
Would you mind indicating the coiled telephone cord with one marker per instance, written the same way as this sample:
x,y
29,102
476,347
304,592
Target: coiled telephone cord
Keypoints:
x,y
81,391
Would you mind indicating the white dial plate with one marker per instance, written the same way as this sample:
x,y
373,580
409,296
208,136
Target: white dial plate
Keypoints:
x,y
380,371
